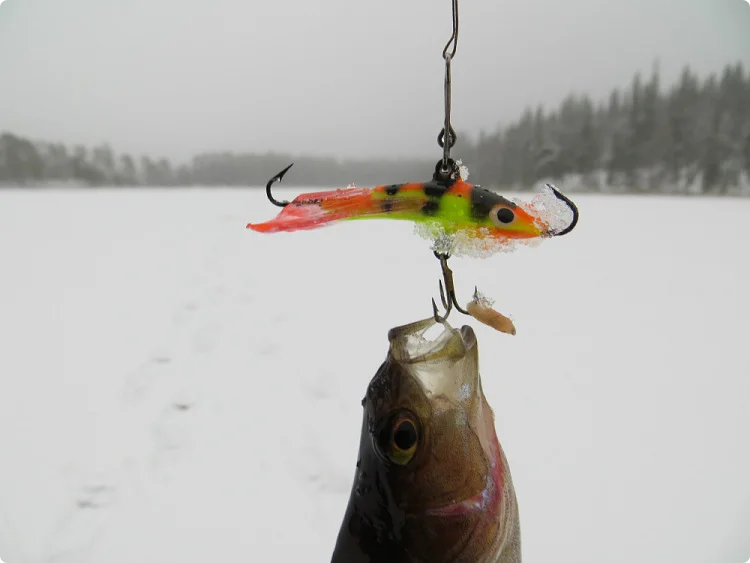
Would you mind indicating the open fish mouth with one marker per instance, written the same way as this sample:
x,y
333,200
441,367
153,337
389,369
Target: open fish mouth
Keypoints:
x,y
410,345
446,365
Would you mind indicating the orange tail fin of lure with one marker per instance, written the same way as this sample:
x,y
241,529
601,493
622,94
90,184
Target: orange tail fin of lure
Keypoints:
x,y
310,211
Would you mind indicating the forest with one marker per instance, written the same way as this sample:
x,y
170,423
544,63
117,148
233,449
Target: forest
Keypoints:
x,y
690,138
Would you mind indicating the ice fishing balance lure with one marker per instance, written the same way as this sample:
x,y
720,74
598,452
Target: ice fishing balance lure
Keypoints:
x,y
455,206
454,213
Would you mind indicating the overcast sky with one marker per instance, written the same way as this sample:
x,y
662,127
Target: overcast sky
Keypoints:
x,y
340,77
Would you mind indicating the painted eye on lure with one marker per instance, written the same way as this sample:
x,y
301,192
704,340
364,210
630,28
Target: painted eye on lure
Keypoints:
x,y
399,438
501,215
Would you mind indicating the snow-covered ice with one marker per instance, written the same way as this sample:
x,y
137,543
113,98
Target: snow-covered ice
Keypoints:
x,y
174,387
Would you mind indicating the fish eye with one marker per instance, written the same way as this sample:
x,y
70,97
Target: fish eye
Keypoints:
x,y
399,438
405,435
501,215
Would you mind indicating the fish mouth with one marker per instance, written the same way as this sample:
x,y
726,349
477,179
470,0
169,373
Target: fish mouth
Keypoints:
x,y
409,345
446,367
442,365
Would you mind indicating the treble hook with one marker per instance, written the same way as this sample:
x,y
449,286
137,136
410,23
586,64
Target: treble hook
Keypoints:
x,y
449,300
271,182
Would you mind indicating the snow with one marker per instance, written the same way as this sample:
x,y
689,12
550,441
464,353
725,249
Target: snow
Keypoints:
x,y
174,387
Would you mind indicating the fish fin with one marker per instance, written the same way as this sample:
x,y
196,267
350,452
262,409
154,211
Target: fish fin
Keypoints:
x,y
313,210
294,218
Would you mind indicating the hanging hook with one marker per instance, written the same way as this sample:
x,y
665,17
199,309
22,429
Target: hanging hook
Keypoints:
x,y
447,294
572,207
272,181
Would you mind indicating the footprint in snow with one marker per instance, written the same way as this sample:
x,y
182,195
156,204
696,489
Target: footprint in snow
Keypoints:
x,y
84,520
320,388
205,339
95,496
185,313
171,435
144,376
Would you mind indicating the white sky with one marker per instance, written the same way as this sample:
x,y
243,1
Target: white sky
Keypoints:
x,y
338,77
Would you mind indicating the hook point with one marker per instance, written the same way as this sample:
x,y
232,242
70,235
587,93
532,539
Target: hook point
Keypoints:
x,y
438,318
280,175
271,182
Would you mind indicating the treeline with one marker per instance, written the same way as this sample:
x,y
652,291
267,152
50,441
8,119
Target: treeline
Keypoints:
x,y
692,138
26,163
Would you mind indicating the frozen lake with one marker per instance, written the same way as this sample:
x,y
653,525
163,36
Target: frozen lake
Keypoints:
x,y
174,387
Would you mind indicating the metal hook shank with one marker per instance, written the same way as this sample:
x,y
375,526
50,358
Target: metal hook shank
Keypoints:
x,y
271,182
447,296
572,207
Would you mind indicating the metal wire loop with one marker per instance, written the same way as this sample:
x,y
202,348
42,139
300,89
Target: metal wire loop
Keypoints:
x,y
454,36
449,51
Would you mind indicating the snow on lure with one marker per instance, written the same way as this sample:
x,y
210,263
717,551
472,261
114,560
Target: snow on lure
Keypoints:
x,y
454,206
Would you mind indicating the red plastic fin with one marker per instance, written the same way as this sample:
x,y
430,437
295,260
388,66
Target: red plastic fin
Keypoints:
x,y
310,211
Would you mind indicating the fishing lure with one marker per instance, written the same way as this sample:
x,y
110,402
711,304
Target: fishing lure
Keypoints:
x,y
459,217
452,207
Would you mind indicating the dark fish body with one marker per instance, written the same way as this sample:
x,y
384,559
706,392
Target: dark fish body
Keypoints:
x,y
432,483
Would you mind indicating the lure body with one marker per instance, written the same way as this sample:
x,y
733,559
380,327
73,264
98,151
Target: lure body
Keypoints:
x,y
456,208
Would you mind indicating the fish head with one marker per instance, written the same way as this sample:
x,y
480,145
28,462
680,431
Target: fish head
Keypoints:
x,y
424,410
432,483
501,217
544,217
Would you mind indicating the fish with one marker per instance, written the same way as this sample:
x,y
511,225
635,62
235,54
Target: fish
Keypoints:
x,y
452,208
432,483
